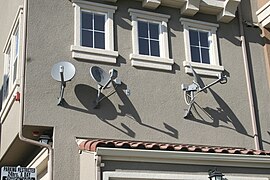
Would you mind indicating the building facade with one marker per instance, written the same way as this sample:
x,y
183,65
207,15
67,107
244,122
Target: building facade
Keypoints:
x,y
140,127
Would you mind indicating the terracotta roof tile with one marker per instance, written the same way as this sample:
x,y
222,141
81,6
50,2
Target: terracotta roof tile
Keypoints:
x,y
92,144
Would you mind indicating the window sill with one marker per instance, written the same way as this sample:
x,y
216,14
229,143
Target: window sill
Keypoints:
x,y
151,62
92,54
203,69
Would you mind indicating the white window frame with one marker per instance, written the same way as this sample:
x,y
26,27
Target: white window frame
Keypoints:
x,y
212,69
113,175
163,61
10,58
108,54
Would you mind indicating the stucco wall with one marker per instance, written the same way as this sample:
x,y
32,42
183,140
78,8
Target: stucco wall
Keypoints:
x,y
154,110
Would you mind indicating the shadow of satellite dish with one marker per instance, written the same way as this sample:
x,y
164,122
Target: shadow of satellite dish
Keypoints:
x,y
87,95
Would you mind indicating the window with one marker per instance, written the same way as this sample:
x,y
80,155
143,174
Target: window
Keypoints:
x,y
148,37
201,47
150,40
11,59
93,27
93,30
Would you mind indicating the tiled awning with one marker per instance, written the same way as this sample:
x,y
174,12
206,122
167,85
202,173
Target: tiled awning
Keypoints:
x,y
93,144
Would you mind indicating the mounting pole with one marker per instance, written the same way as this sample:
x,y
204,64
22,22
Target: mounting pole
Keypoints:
x,y
63,85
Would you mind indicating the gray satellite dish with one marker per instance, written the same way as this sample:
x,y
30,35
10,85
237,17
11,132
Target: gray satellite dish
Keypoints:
x,y
99,75
103,79
197,86
62,72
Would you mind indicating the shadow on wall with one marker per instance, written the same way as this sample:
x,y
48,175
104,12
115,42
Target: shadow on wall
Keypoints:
x,y
221,113
107,111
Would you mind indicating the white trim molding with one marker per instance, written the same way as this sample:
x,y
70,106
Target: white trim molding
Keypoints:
x,y
264,15
163,61
181,157
112,175
93,54
212,69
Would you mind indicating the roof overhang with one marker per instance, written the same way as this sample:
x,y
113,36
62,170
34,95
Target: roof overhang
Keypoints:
x,y
168,153
176,157
264,15
223,9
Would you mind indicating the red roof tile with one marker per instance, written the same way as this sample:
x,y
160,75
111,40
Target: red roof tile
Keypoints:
x,y
92,144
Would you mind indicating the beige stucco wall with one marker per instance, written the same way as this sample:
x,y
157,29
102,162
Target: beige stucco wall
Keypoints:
x,y
9,128
261,3
154,110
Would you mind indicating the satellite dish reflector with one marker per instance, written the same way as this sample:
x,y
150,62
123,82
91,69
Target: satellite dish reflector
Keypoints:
x,y
197,86
103,79
67,68
99,75
62,72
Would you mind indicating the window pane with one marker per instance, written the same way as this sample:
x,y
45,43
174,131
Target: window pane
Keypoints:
x,y
15,70
195,54
6,86
17,43
204,39
154,31
154,48
142,29
87,38
143,46
99,22
87,20
205,55
99,40
194,37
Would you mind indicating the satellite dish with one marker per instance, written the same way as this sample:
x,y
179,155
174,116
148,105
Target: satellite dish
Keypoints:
x,y
62,72
103,79
192,90
197,79
67,68
99,75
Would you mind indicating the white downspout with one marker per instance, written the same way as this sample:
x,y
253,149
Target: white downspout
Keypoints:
x,y
249,88
22,87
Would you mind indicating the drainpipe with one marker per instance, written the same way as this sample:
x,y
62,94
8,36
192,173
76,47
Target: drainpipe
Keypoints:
x,y
22,87
249,88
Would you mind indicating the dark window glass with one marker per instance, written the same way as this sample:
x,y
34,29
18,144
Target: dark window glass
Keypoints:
x,y
15,71
148,38
204,39
99,40
87,20
99,22
142,29
143,46
195,54
193,37
154,31
154,48
87,38
205,55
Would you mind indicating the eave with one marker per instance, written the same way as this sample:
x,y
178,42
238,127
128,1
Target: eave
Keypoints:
x,y
224,10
